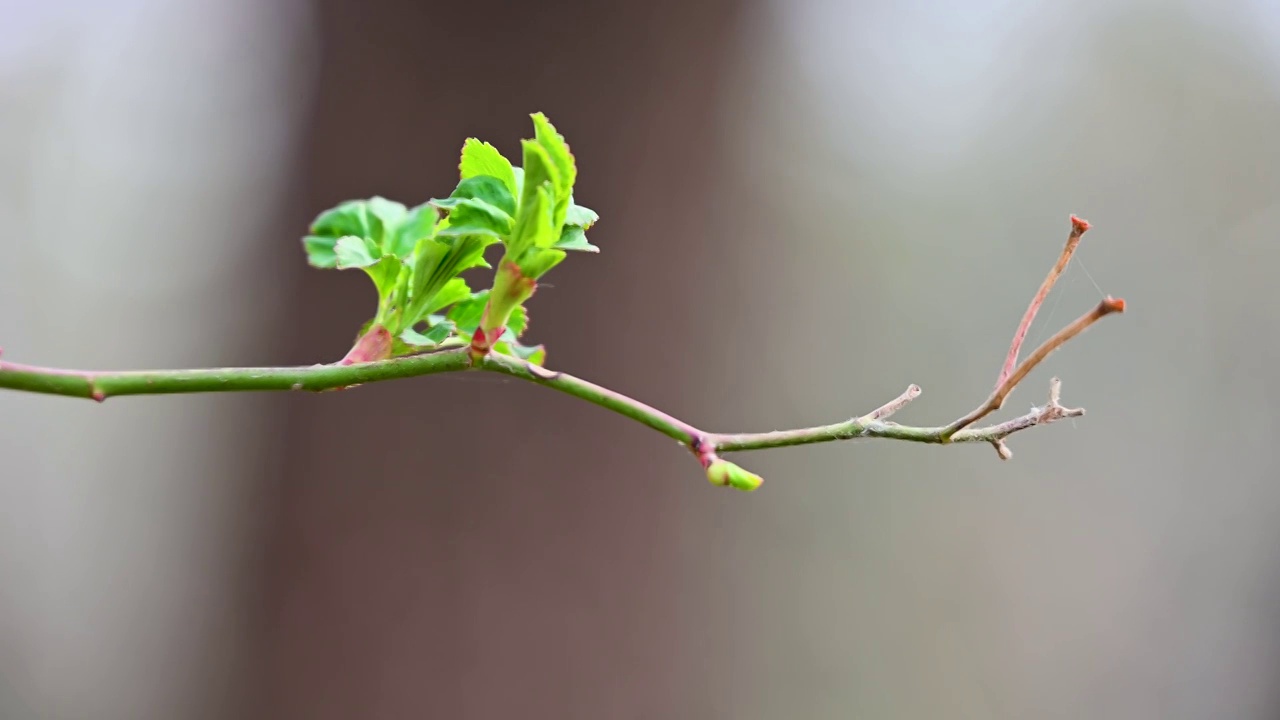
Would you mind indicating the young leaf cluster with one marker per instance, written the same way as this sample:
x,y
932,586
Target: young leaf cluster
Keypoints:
x,y
416,256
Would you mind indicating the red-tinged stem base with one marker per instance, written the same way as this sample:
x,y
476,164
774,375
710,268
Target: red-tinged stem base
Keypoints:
x,y
511,288
373,346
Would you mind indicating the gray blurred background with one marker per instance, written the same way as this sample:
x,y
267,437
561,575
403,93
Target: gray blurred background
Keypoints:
x,y
806,206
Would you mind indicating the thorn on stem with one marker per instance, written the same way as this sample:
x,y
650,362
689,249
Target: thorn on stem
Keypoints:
x,y
541,372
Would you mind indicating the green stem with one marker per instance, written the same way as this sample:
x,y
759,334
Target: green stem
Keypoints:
x,y
102,385
604,397
510,289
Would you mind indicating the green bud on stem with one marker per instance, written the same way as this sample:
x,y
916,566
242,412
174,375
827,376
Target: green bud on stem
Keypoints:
x,y
726,474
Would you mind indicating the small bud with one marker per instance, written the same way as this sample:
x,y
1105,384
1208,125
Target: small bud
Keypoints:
x,y
724,473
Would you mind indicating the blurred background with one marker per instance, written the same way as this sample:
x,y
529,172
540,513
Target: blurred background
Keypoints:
x,y
806,206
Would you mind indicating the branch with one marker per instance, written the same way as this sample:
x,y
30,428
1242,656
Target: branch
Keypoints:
x,y
101,385
1011,373
1078,228
1002,391
706,446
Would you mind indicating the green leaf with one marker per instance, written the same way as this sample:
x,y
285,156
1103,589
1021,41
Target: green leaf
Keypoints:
x,y
481,158
580,216
436,263
473,217
558,152
377,232
573,238
399,289
390,216
466,314
320,251
482,187
453,291
519,173
377,219
535,263
553,142
534,227
348,218
354,252
467,253
431,271
437,334
536,354
384,274
419,223
539,172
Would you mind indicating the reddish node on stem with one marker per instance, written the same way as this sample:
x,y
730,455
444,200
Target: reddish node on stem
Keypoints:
x,y
704,451
98,395
482,341
372,346
1079,225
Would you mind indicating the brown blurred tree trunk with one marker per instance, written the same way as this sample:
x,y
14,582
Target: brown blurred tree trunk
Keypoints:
x,y
419,567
